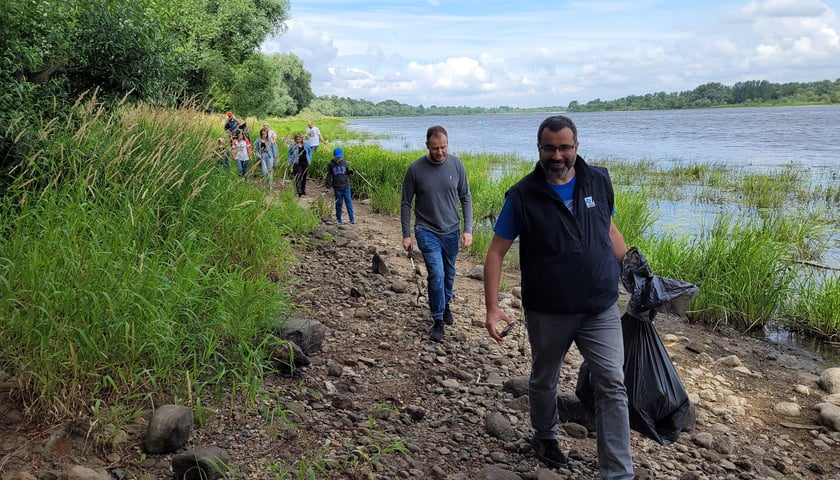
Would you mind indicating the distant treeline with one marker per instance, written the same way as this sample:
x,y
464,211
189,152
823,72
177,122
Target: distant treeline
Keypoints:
x,y
749,93
348,107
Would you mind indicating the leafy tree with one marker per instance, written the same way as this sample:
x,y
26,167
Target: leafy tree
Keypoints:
x,y
294,83
52,51
141,47
267,85
715,93
118,47
252,86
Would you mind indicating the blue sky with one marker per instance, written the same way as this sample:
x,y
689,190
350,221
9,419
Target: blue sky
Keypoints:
x,y
526,53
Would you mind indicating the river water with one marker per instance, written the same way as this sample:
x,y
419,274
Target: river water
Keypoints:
x,y
737,137
761,139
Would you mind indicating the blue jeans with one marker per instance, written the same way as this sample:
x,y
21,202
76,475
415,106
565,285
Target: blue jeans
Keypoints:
x,y
343,196
243,167
599,339
439,254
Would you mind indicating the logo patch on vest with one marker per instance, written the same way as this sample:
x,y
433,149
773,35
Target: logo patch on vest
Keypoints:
x,y
590,202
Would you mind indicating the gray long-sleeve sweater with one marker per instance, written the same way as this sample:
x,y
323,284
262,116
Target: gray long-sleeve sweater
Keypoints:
x,y
436,190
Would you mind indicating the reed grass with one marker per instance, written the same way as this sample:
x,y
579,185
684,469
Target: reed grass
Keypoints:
x,y
131,262
740,270
769,190
804,232
815,306
633,216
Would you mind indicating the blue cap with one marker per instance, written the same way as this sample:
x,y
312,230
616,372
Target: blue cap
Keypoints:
x,y
338,153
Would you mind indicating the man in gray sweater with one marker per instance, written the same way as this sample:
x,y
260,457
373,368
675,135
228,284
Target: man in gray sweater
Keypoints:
x,y
437,183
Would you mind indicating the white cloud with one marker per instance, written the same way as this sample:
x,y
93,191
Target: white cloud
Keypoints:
x,y
526,53
789,34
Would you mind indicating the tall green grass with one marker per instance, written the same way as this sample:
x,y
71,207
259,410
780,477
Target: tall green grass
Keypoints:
x,y
740,270
131,263
633,216
815,306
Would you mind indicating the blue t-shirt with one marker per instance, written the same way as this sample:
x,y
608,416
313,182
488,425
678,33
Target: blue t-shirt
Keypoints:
x,y
507,226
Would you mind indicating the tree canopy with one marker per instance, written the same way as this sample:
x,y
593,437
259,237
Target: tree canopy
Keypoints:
x,y
146,49
160,51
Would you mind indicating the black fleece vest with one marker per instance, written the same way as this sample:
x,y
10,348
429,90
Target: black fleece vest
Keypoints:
x,y
567,261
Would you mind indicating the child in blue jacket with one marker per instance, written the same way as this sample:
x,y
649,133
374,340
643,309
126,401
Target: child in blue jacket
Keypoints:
x,y
337,172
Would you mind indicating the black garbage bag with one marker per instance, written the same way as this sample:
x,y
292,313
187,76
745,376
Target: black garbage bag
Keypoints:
x,y
657,401
651,294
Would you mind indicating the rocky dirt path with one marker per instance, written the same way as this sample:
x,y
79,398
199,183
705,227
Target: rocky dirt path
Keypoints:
x,y
382,401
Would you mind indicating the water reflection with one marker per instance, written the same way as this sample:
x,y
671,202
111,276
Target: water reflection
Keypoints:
x,y
823,352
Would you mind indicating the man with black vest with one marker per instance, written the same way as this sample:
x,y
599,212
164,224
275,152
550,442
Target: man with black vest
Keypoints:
x,y
570,255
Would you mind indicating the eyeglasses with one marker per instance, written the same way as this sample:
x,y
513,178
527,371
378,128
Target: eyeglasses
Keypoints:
x,y
550,149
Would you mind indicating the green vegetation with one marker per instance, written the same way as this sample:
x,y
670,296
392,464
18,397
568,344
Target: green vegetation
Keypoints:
x,y
751,93
150,50
740,270
54,51
348,107
132,265
351,461
815,305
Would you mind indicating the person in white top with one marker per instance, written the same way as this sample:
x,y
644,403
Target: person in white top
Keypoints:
x,y
241,153
314,138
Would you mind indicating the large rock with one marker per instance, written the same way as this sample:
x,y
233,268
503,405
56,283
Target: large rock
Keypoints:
x,y
286,356
517,386
494,472
830,380
306,333
571,409
829,415
201,463
78,472
498,426
169,429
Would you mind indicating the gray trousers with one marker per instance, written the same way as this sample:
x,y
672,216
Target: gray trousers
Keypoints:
x,y
599,339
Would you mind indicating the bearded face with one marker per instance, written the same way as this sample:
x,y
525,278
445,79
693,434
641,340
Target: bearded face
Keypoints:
x,y
558,152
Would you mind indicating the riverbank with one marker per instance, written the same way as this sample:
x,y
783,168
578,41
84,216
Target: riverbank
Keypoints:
x,y
382,401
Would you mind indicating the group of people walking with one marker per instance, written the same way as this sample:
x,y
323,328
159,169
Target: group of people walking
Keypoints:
x,y
241,148
570,255
302,148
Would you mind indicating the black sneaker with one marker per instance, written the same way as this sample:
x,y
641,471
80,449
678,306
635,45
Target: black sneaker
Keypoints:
x,y
549,452
436,333
447,315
